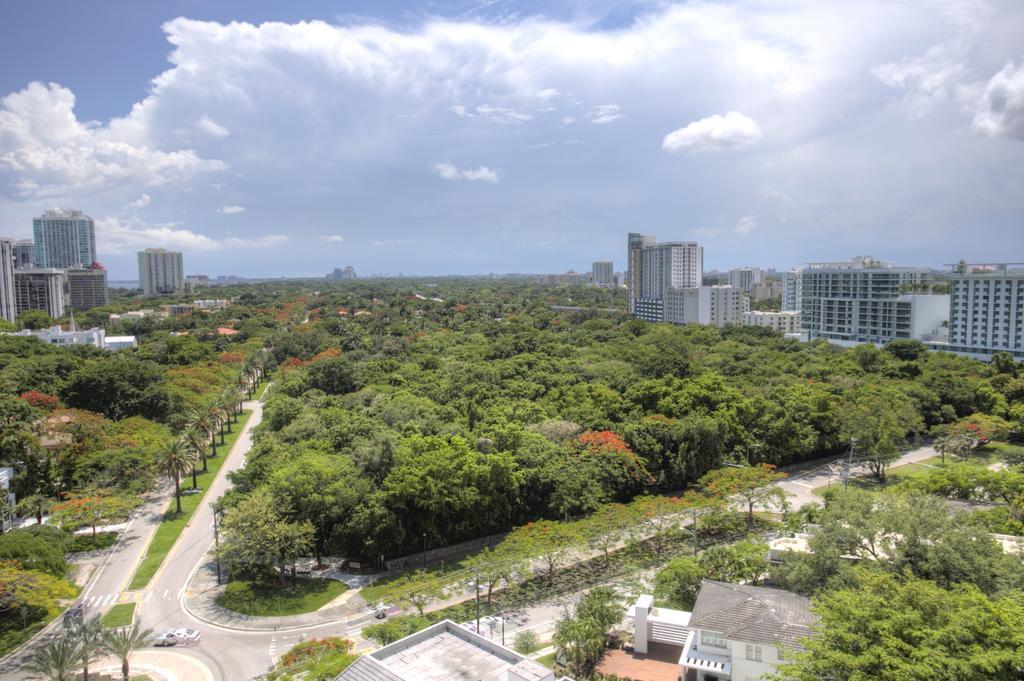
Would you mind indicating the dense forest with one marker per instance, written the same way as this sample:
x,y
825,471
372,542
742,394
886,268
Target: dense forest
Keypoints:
x,y
408,415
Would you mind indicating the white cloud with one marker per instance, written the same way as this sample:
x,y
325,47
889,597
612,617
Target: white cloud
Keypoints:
x,y
714,132
119,236
391,242
451,172
502,114
566,120
1000,112
48,152
331,238
460,111
605,113
212,128
548,93
231,210
138,203
745,225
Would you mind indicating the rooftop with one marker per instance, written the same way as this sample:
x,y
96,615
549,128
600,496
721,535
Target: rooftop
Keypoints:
x,y
441,652
753,614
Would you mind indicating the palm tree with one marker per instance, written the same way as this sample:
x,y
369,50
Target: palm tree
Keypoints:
x,y
88,635
226,403
37,505
220,416
195,440
206,421
124,641
175,460
56,660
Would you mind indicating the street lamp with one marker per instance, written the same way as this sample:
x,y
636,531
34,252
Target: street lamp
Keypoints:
x,y
424,550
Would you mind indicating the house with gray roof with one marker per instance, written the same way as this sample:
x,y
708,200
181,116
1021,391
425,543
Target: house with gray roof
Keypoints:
x,y
735,631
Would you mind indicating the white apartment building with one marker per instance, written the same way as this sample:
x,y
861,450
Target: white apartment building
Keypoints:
x,y
745,278
868,301
160,272
736,631
655,269
211,304
24,253
8,309
792,291
55,335
6,478
714,305
783,322
986,310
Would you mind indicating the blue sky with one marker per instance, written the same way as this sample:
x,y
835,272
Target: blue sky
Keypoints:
x,y
266,138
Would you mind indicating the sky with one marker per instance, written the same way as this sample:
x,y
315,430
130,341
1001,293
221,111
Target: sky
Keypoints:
x,y
285,139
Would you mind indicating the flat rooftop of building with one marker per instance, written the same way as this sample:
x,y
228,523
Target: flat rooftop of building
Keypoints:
x,y
443,651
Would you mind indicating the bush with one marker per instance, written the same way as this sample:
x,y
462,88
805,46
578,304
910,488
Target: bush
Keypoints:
x,y
526,642
33,552
395,628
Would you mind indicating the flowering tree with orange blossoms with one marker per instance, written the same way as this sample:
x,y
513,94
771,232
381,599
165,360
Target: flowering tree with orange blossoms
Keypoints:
x,y
755,485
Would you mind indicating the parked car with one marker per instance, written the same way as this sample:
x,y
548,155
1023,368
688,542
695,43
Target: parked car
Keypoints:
x,y
75,614
179,636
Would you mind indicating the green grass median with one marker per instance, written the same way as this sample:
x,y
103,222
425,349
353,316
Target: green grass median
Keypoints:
x,y
174,523
274,600
121,615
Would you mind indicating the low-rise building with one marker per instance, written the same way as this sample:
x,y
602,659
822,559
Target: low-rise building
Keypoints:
x,y
98,338
176,309
735,631
445,651
783,322
220,304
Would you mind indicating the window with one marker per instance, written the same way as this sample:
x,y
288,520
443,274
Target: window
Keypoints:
x,y
710,638
753,652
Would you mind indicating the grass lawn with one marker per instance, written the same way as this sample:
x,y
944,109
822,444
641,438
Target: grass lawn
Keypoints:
x,y
269,600
173,523
83,542
997,451
260,389
121,615
547,660
388,588
892,476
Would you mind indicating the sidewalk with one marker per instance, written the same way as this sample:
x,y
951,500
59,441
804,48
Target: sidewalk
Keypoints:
x,y
201,595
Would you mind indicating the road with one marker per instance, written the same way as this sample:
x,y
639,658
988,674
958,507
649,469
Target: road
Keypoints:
x,y
799,483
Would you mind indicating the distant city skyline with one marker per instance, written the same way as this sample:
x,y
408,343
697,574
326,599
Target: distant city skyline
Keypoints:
x,y
270,139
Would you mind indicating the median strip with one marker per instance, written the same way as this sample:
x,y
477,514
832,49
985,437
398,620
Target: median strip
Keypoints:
x,y
174,523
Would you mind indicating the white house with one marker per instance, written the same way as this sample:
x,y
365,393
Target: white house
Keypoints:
x,y
735,631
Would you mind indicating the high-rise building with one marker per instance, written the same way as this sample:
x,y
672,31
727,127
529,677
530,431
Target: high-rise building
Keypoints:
x,y
195,281
24,253
654,270
339,274
986,310
161,272
745,278
8,310
64,238
40,289
87,287
792,291
868,301
603,273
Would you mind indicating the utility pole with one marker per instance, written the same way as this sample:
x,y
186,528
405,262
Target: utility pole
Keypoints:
x,y
216,541
476,592
424,550
849,464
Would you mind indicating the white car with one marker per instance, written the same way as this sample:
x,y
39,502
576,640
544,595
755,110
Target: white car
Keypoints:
x,y
173,637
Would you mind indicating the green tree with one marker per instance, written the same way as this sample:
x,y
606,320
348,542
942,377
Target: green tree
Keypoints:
x,y
754,485
878,422
87,634
176,460
910,629
35,320
123,641
55,660
549,541
744,561
118,386
257,535
677,584
90,510
33,552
